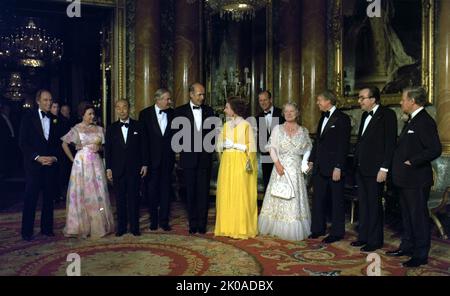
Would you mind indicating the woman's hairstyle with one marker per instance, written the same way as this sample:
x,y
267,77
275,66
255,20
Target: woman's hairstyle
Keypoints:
x,y
83,107
293,105
239,106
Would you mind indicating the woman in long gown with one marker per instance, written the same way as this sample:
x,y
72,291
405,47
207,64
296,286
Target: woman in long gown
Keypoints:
x,y
289,143
88,209
236,199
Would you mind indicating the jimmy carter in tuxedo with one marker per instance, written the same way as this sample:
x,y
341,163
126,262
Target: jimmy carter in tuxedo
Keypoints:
x,y
39,144
417,145
269,117
126,164
196,165
373,154
157,120
327,159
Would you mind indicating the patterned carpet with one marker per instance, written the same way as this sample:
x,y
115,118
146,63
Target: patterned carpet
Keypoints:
x,y
178,253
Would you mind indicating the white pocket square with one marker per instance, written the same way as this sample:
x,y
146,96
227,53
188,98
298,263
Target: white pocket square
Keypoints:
x,y
135,133
410,132
333,126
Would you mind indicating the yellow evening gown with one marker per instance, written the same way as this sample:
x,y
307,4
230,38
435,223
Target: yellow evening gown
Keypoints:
x,y
236,198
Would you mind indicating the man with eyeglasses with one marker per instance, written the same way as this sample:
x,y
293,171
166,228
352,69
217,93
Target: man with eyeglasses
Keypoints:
x,y
373,154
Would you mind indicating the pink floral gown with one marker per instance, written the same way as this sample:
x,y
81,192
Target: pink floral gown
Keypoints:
x,y
88,207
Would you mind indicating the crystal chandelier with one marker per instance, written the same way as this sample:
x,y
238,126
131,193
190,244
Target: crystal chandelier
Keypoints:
x,y
14,88
238,10
31,46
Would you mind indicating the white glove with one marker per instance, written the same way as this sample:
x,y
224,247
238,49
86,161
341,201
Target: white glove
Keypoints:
x,y
228,144
305,167
240,147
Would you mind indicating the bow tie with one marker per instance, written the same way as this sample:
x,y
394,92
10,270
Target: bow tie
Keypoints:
x,y
126,125
326,114
196,107
369,113
45,114
163,111
267,113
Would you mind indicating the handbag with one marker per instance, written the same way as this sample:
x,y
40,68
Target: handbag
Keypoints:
x,y
282,187
248,165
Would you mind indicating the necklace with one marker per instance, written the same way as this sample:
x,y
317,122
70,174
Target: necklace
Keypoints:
x,y
291,129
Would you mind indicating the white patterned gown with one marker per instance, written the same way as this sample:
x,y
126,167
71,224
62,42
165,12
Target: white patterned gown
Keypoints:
x,y
287,219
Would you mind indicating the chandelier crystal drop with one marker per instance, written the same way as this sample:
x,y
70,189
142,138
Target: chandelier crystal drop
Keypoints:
x,y
237,10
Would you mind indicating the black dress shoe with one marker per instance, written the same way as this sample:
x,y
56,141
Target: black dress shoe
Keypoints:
x,y
27,238
368,248
358,243
202,230
153,226
331,239
166,228
398,253
192,230
415,262
315,235
120,233
136,233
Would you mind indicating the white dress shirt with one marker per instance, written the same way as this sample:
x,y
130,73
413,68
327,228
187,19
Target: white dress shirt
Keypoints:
x,y
125,130
197,116
369,118
45,122
415,112
325,120
268,118
162,119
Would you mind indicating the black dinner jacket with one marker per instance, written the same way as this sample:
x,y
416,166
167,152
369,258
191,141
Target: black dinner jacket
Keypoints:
x,y
262,126
159,145
190,159
330,148
33,143
125,158
420,144
375,148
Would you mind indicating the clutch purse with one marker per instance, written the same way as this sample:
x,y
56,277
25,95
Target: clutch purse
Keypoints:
x,y
282,187
248,165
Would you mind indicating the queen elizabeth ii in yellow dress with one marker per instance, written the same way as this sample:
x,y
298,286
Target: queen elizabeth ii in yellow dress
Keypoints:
x,y
236,198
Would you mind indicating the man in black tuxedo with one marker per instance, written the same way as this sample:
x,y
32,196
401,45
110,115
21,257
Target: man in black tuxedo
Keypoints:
x,y
38,140
126,164
417,145
157,120
373,154
327,161
268,118
195,160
